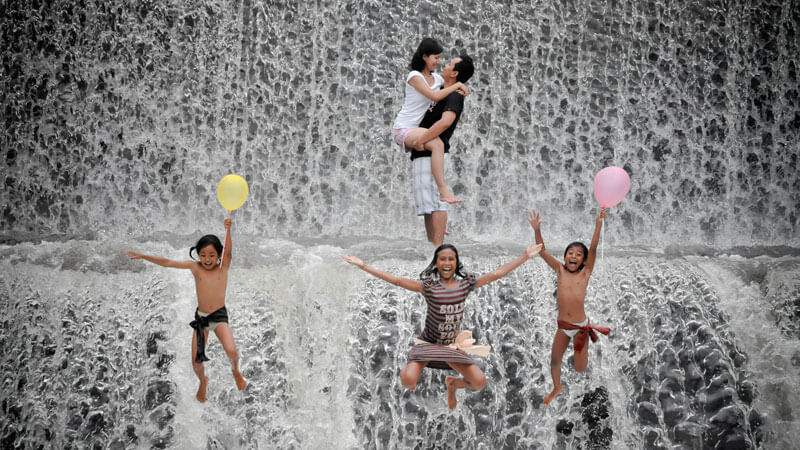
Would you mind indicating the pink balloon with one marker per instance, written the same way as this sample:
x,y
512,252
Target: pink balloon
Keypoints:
x,y
611,185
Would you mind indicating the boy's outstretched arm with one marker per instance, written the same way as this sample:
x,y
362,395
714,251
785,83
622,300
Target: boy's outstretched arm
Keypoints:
x,y
536,224
407,283
227,250
164,262
504,270
595,239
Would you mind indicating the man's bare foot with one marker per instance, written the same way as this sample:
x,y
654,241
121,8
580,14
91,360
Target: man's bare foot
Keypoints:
x,y
556,390
451,392
201,391
448,197
240,381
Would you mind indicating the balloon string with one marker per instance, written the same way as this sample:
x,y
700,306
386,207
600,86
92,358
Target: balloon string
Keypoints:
x,y
603,245
222,258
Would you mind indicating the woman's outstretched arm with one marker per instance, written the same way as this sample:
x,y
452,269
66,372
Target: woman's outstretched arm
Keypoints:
x,y
506,268
407,283
421,85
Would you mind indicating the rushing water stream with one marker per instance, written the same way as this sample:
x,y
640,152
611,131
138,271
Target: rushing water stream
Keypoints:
x,y
96,349
119,118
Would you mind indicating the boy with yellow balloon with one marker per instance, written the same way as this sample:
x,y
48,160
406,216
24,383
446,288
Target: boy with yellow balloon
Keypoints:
x,y
210,273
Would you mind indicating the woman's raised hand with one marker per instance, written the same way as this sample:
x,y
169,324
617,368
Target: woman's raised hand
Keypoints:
x,y
533,250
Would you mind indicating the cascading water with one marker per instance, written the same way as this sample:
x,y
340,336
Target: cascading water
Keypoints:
x,y
122,119
119,119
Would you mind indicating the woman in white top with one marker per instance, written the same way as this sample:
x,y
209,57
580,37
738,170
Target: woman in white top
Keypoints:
x,y
422,89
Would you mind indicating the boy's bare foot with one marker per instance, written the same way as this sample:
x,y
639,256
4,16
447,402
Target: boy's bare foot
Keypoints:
x,y
451,392
556,390
201,391
240,381
448,197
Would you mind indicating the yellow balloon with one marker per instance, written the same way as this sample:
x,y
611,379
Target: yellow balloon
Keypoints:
x,y
232,192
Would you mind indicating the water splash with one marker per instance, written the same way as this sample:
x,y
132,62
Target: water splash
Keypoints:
x,y
692,358
82,364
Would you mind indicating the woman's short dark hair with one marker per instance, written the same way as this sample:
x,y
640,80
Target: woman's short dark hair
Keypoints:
x,y
428,46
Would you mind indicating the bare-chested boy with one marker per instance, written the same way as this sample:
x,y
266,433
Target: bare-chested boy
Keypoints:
x,y
573,278
211,281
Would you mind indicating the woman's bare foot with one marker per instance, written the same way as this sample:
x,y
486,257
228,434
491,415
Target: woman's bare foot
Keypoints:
x,y
556,390
451,391
201,391
240,381
447,197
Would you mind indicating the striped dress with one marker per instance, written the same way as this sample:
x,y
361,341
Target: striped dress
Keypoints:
x,y
443,323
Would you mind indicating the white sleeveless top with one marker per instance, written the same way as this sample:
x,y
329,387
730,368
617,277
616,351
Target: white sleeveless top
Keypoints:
x,y
415,103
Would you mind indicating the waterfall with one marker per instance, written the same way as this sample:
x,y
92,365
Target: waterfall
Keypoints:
x,y
119,119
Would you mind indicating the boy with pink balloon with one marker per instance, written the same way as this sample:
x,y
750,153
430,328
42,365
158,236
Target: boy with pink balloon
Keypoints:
x,y
210,273
610,187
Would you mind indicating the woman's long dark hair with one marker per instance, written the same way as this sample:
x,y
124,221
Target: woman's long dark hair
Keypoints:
x,y
431,272
428,46
205,241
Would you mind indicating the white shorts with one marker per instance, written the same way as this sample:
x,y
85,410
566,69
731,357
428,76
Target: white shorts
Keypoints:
x,y
426,192
211,325
572,333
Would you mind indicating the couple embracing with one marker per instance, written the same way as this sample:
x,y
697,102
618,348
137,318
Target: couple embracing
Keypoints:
x,y
424,129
